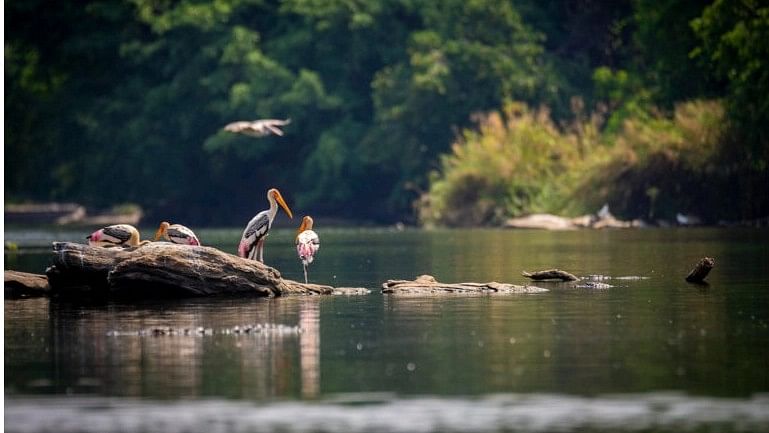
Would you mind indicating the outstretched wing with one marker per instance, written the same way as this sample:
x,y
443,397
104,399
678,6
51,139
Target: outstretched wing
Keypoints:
x,y
257,128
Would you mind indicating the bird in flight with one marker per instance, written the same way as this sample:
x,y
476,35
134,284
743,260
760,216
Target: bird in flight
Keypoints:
x,y
258,128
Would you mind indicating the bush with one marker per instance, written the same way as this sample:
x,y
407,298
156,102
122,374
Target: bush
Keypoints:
x,y
511,165
519,162
655,166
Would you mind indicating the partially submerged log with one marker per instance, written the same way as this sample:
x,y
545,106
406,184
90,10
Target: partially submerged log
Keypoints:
x,y
25,285
550,274
162,269
426,284
701,270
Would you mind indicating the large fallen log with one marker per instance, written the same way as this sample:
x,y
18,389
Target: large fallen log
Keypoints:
x,y
427,285
162,269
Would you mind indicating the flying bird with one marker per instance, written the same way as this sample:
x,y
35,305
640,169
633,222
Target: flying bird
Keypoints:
x,y
252,242
177,234
307,244
116,235
258,128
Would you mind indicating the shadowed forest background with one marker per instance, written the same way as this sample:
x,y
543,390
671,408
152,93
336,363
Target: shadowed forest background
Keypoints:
x,y
455,112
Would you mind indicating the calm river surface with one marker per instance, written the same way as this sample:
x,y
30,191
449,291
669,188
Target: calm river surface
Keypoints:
x,y
649,354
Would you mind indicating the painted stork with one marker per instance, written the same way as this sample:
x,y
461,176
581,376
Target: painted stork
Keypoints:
x,y
258,128
116,235
307,244
252,242
177,234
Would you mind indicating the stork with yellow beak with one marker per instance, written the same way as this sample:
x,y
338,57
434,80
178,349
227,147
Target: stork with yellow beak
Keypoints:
x,y
307,244
118,235
252,242
177,234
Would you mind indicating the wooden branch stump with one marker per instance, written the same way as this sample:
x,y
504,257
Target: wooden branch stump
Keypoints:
x,y
701,270
550,274
162,269
25,285
427,285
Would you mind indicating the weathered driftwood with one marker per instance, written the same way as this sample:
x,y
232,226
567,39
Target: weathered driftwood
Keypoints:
x,y
701,270
555,222
25,285
550,274
426,284
161,269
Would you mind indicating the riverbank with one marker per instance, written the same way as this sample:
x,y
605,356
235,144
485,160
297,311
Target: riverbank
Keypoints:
x,y
70,214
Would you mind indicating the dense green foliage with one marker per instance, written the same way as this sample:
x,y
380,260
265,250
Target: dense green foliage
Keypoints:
x,y
123,101
652,168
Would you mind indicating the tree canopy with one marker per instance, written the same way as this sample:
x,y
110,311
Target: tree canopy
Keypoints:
x,y
115,101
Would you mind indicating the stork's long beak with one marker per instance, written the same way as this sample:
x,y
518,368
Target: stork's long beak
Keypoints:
x,y
283,204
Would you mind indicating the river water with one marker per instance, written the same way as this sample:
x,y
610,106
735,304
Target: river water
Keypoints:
x,y
651,353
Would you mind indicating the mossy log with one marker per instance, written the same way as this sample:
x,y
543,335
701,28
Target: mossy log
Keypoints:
x,y
25,285
427,285
166,270
550,274
701,270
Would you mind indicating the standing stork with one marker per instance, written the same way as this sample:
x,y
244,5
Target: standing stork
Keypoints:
x,y
257,128
177,234
307,244
252,242
116,235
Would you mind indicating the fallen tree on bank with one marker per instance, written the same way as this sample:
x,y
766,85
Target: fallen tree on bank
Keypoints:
x,y
166,270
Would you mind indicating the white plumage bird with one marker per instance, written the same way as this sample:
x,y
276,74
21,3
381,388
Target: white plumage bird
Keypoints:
x,y
258,128
307,244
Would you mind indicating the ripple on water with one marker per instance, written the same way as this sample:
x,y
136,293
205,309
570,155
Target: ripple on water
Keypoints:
x,y
659,412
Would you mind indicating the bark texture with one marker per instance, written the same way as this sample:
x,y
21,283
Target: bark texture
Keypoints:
x,y
550,274
25,285
427,285
162,269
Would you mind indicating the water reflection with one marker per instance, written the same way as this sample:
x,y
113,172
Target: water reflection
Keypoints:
x,y
112,350
309,347
640,336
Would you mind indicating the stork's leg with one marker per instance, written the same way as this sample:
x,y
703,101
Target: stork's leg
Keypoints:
x,y
260,247
305,273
